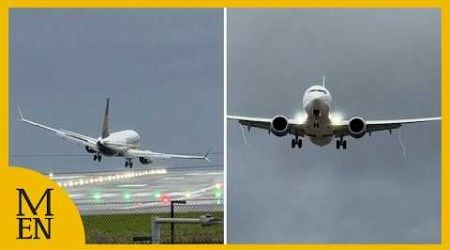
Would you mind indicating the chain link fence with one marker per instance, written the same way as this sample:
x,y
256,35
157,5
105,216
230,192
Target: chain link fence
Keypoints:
x,y
130,222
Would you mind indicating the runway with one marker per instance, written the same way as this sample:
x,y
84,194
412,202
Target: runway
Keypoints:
x,y
143,189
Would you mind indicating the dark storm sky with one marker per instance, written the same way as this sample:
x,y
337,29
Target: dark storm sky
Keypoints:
x,y
380,64
162,69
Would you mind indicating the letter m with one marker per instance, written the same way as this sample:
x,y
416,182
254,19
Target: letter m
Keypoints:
x,y
23,196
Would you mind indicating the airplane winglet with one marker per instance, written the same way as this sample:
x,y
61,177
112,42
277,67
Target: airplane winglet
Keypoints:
x,y
20,114
206,155
323,81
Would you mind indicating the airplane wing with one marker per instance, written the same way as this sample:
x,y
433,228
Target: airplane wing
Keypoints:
x,y
295,127
380,125
148,154
65,134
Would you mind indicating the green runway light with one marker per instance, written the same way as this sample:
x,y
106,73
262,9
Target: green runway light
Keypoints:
x,y
218,194
127,195
218,190
97,196
157,194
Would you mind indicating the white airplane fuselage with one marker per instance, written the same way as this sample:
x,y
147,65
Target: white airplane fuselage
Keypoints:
x,y
317,104
118,142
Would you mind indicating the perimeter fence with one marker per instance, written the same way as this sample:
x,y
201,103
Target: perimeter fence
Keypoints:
x,y
130,222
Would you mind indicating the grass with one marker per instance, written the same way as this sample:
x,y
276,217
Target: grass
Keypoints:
x,y
121,228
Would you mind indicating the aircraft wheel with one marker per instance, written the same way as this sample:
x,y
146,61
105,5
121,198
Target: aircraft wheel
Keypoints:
x,y
293,143
300,143
344,144
95,157
99,158
126,163
338,144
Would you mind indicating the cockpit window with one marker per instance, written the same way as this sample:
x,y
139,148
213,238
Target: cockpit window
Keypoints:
x,y
318,90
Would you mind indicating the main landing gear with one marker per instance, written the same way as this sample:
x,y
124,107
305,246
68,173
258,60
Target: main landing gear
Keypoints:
x,y
128,163
98,157
341,143
296,142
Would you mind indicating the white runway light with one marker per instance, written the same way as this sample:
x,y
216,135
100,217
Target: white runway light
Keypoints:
x,y
77,181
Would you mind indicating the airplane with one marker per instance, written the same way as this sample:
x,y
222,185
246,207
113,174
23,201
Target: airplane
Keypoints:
x,y
123,143
319,124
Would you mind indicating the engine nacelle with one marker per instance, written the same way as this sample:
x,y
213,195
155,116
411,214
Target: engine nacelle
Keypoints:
x,y
90,150
357,127
279,125
144,160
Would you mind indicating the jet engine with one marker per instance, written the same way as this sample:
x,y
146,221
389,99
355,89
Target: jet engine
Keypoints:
x,y
279,125
144,160
357,127
90,150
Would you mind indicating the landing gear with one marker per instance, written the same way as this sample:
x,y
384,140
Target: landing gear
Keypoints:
x,y
316,114
128,163
341,142
296,142
316,124
98,157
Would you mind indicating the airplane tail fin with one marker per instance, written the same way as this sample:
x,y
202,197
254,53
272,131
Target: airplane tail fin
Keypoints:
x,y
323,81
105,128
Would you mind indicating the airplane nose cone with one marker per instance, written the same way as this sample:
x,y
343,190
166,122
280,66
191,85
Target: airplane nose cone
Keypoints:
x,y
320,99
317,101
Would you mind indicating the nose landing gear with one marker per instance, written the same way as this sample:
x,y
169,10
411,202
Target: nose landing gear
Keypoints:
x,y
316,124
316,114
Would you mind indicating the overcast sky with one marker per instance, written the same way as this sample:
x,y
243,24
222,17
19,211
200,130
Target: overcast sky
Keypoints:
x,y
380,64
162,69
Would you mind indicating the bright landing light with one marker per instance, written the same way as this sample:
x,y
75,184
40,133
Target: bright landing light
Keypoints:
x,y
336,118
300,117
